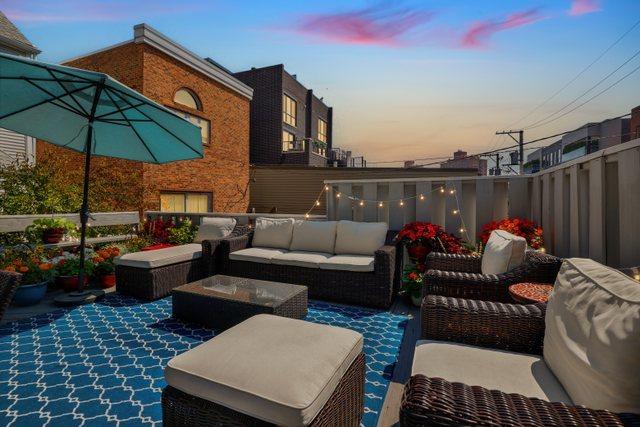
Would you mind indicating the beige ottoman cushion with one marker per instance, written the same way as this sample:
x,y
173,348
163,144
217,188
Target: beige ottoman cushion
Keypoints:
x,y
273,368
508,372
161,257
592,335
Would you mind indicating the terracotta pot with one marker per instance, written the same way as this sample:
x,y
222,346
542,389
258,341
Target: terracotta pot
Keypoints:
x,y
108,281
70,283
418,253
52,235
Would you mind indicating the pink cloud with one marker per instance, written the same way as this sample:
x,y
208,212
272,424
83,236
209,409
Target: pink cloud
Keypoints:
x,y
582,7
376,25
480,32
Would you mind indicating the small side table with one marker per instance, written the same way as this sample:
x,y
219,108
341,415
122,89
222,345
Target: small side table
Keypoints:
x,y
530,293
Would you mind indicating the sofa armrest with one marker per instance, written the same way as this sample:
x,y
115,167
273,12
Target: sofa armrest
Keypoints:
x,y
453,262
435,401
385,261
513,327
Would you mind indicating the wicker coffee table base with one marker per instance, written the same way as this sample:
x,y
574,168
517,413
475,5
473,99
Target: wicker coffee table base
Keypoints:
x,y
344,407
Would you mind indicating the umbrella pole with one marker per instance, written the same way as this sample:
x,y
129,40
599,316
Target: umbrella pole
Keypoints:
x,y
84,210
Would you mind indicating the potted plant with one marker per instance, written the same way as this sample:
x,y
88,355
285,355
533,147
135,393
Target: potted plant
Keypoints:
x,y
412,280
68,268
157,230
182,232
522,227
421,238
36,275
49,230
104,266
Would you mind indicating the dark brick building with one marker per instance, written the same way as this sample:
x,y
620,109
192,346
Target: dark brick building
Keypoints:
x,y
201,92
289,123
635,123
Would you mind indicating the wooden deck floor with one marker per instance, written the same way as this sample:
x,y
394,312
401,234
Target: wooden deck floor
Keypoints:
x,y
402,371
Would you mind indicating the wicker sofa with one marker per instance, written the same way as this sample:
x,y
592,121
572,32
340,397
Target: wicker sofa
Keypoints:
x,y
493,364
372,284
152,275
9,283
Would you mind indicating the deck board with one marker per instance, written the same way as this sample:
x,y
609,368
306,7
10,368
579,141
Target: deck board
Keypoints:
x,y
390,409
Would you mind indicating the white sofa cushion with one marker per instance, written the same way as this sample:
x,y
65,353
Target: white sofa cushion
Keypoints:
x,y
263,255
273,232
504,252
214,228
161,257
301,258
273,368
360,238
314,236
506,371
362,263
592,335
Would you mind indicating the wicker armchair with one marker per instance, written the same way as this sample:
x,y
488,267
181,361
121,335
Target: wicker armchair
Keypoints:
x,y
460,276
436,402
9,282
211,249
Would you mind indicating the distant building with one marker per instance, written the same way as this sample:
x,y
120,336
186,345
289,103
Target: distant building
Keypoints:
x,y
461,160
593,137
533,163
634,123
289,123
551,155
13,145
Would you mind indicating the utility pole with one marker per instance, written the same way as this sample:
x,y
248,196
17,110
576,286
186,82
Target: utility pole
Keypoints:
x,y
520,142
497,170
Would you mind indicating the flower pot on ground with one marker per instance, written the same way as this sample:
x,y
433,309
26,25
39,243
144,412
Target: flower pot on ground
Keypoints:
x,y
36,273
412,282
68,269
104,265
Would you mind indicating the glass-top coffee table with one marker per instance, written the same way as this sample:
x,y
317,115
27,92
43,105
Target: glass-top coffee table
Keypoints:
x,y
220,302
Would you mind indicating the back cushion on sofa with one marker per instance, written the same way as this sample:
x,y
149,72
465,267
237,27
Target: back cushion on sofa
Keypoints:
x,y
360,238
592,335
214,228
314,236
273,232
504,252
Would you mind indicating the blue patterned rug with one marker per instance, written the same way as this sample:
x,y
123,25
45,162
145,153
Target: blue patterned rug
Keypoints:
x,y
102,364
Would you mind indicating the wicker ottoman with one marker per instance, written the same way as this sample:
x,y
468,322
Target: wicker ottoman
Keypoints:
x,y
152,275
268,370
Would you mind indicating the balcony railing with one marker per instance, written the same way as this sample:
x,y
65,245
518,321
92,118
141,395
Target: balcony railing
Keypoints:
x,y
588,207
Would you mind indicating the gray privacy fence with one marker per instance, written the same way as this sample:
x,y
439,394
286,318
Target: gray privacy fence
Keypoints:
x,y
588,207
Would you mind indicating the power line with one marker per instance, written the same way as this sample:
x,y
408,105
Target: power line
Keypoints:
x,y
544,121
531,142
577,76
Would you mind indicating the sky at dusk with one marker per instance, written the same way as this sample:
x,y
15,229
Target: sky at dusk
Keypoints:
x,y
408,79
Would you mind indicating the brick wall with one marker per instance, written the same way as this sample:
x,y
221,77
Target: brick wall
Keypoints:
x,y
224,171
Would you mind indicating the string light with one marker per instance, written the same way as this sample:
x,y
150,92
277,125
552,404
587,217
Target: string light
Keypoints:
x,y
306,215
462,230
452,191
338,195
442,189
401,203
326,188
455,211
543,250
317,202
380,204
361,203
421,197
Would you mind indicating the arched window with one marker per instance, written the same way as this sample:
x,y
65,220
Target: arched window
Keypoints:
x,y
187,98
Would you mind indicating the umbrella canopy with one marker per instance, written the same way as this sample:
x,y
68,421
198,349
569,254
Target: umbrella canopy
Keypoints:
x,y
55,103
93,114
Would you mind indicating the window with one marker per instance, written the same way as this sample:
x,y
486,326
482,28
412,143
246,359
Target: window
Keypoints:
x,y
322,130
187,98
288,141
185,202
203,124
289,110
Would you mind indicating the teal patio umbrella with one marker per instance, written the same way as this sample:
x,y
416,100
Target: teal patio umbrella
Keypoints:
x,y
91,113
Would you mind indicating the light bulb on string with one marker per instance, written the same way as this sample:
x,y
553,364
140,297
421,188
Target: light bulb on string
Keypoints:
x,y
442,189
306,216
452,191
462,230
338,195
317,202
361,203
421,197
380,204
455,212
326,188
401,202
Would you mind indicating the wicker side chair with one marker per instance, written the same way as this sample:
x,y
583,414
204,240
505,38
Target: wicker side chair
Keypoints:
x,y
211,249
9,283
429,401
460,276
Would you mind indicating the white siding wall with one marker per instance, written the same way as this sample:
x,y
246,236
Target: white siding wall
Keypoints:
x,y
14,146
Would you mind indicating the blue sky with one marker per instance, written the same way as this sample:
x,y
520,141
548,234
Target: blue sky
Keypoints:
x,y
408,79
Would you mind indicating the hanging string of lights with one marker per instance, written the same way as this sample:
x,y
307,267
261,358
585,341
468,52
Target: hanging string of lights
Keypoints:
x,y
400,201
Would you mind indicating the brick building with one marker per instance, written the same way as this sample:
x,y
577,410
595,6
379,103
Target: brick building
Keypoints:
x,y
634,127
289,123
201,92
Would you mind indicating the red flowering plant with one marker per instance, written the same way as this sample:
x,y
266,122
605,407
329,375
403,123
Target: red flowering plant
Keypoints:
x,y
528,229
412,279
158,229
421,238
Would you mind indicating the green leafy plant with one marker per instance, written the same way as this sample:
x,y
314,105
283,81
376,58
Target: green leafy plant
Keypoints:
x,y
35,232
70,266
412,279
182,233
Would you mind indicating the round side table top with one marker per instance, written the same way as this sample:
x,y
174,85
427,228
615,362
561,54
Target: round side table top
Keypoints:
x,y
530,293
